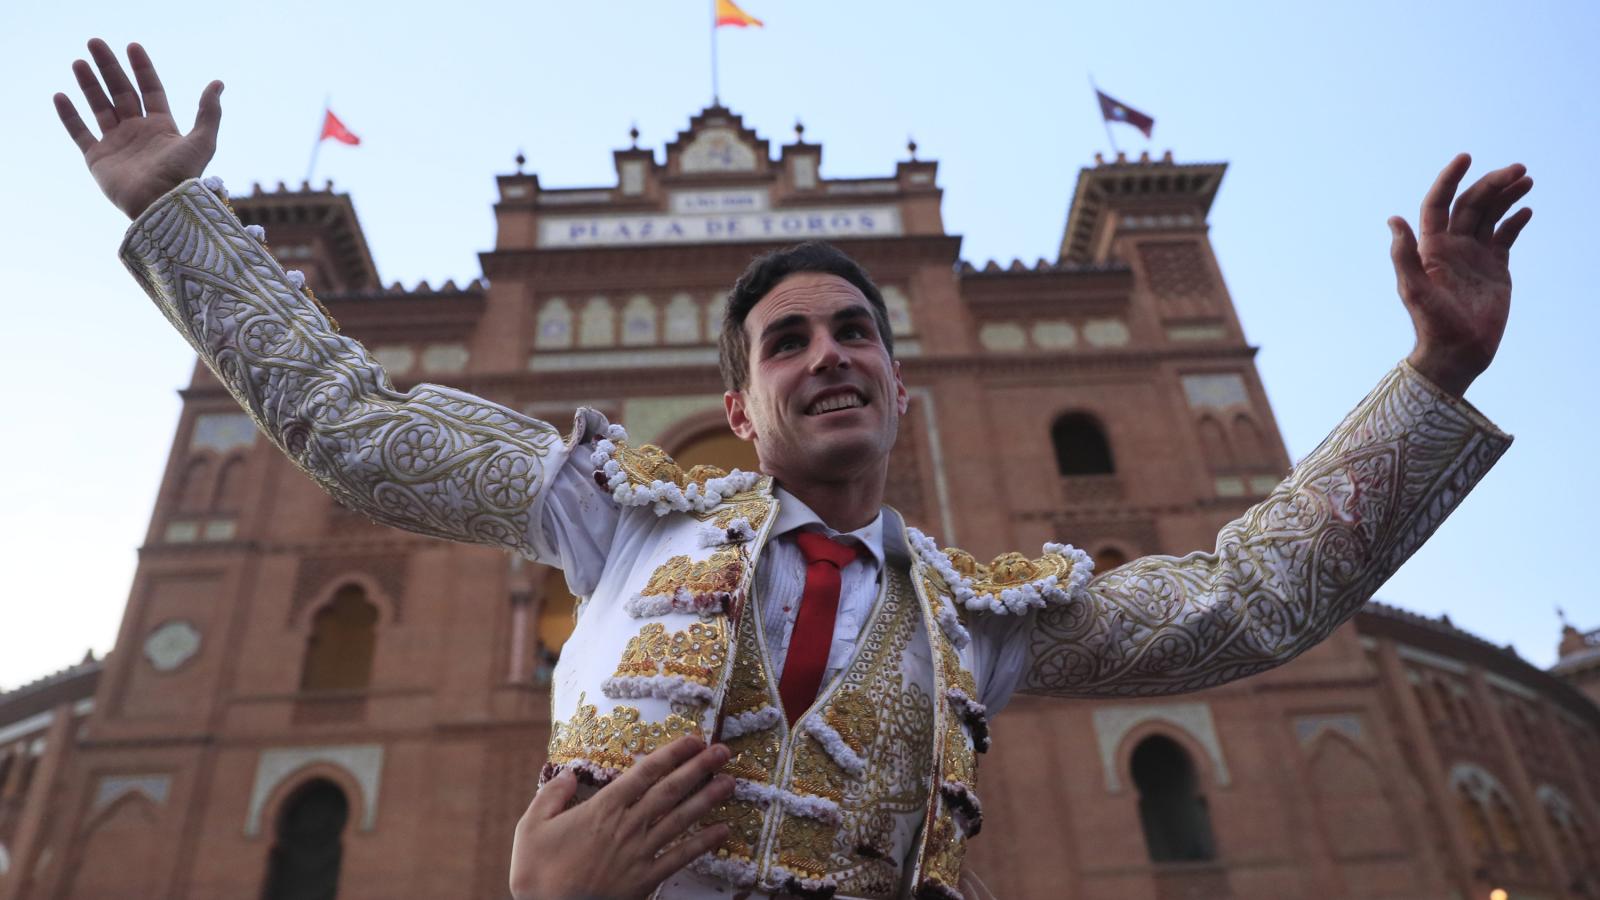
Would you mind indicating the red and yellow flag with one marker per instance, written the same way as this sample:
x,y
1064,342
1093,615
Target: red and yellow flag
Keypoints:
x,y
729,14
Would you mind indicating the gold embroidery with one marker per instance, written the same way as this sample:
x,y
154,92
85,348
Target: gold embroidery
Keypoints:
x,y
853,716
806,846
754,755
614,739
696,653
721,573
887,719
1004,571
753,505
648,464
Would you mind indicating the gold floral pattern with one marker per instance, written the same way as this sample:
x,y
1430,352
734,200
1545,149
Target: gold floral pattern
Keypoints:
x,y
721,573
613,740
696,653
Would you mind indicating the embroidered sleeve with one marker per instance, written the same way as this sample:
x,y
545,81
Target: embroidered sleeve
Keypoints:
x,y
431,459
1288,571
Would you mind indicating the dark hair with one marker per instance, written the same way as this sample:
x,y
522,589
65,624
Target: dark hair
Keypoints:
x,y
762,275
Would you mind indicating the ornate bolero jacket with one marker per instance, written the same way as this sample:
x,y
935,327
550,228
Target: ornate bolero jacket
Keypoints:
x,y
873,792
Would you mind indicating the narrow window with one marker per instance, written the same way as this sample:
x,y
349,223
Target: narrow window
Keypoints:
x,y
1176,821
304,864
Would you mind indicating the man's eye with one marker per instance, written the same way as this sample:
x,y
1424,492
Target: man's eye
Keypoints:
x,y
853,332
786,344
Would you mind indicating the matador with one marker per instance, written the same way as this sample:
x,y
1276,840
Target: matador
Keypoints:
x,y
848,662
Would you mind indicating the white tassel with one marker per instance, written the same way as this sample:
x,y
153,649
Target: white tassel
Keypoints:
x,y
833,742
297,278
661,687
256,231
214,184
751,721
740,873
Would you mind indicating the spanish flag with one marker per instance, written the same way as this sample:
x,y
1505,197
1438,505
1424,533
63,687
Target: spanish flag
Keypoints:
x,y
729,14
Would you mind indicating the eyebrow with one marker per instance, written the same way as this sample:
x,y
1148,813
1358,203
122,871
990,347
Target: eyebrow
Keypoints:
x,y
854,312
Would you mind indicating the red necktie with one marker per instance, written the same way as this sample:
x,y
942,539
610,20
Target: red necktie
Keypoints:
x,y
813,627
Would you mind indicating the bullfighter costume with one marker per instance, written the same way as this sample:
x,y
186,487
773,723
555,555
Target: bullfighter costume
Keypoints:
x,y
688,579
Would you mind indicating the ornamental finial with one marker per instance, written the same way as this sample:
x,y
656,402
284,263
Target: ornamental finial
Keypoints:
x,y
911,146
633,134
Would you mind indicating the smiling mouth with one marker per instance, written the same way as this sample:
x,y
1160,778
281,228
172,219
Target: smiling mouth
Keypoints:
x,y
835,403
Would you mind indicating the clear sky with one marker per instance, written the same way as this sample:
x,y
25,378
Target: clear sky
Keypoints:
x,y
1332,116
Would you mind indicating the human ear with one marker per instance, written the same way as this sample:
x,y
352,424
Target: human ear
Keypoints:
x,y
738,417
902,399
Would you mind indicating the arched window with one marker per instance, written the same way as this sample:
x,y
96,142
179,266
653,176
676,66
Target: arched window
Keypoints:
x,y
1476,820
1214,444
304,864
1177,824
1507,833
339,651
1247,439
1108,558
1081,446
230,486
194,494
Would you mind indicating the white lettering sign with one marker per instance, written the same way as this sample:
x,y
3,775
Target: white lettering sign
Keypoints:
x,y
702,202
782,225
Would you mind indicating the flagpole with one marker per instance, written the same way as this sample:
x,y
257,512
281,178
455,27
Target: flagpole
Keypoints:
x,y
1103,120
715,98
327,104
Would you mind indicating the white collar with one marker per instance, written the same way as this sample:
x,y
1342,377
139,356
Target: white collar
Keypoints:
x,y
794,514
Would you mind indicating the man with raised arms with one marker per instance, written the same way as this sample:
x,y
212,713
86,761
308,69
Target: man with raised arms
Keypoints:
x,y
845,663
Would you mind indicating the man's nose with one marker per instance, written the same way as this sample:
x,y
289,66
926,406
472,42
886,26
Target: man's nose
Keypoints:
x,y
827,354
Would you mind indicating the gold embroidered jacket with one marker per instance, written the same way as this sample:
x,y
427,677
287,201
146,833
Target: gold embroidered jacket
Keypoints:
x,y
679,654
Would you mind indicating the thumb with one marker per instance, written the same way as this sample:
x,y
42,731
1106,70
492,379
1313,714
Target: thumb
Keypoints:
x,y
209,117
1412,278
552,797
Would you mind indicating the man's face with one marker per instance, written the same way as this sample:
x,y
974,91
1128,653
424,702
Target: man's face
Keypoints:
x,y
822,400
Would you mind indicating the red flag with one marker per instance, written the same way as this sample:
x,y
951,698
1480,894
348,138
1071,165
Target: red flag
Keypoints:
x,y
1117,111
333,128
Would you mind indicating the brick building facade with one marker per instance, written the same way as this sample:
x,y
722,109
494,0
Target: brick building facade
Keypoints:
x,y
297,694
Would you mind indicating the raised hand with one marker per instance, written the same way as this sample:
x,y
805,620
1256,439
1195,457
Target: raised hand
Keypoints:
x,y
630,836
1456,283
140,155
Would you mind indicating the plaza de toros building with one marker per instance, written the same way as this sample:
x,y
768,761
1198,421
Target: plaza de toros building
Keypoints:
x,y
303,704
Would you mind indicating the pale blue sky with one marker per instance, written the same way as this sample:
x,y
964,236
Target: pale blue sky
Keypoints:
x,y
1332,117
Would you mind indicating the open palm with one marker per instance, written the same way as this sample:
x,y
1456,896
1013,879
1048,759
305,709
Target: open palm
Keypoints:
x,y
140,153
1456,282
